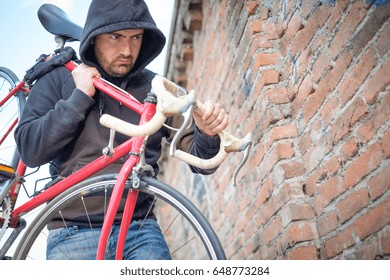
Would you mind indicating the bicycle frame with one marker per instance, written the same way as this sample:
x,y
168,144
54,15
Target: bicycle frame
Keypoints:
x,y
153,114
19,86
132,146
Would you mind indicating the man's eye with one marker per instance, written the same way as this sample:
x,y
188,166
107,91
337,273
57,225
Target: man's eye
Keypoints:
x,y
114,37
136,37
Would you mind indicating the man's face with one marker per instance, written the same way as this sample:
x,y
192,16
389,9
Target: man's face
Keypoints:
x,y
117,52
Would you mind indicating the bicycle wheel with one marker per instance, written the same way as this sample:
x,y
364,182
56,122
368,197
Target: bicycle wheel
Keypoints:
x,y
10,112
199,240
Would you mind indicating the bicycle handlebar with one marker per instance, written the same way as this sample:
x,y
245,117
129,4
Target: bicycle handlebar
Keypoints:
x,y
169,104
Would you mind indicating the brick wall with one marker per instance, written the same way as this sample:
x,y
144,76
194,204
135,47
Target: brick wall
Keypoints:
x,y
310,79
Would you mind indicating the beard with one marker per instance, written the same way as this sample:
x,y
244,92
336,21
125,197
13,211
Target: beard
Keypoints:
x,y
115,67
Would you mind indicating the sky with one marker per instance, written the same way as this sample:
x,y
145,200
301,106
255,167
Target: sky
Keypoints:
x,y
23,39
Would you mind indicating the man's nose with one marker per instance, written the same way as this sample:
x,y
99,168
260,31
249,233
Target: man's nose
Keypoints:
x,y
126,49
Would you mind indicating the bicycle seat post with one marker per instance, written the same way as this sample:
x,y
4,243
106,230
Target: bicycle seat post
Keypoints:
x,y
60,40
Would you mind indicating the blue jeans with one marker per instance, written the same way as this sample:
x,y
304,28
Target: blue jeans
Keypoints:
x,y
144,241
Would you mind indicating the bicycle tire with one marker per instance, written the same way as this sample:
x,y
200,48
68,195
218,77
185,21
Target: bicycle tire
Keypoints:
x,y
8,111
150,186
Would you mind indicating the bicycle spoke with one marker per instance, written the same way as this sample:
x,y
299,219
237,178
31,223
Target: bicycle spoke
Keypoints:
x,y
177,221
182,246
197,238
170,225
142,223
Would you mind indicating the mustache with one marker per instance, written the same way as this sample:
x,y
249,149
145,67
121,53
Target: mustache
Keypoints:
x,y
124,57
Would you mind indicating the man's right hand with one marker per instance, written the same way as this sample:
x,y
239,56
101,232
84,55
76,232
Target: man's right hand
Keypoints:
x,y
83,77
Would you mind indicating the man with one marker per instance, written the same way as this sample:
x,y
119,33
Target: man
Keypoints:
x,y
60,123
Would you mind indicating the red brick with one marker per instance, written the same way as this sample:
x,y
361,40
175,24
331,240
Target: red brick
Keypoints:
x,y
327,222
251,7
377,83
312,182
337,12
381,113
252,120
254,27
321,64
303,62
314,23
305,89
277,95
296,211
368,250
264,192
355,16
342,125
278,152
386,143
315,155
333,77
327,192
293,169
263,59
297,232
362,165
266,77
281,132
369,28
313,103
279,198
348,150
270,30
385,242
258,156
245,200
359,72
365,132
273,229
329,110
283,151
332,165
383,41
375,219
336,244
351,204
305,142
355,111
240,225
294,25
380,183
303,253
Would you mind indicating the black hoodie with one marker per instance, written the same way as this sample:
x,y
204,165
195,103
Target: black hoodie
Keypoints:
x,y
60,124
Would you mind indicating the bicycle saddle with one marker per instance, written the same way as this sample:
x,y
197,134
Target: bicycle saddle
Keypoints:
x,y
57,22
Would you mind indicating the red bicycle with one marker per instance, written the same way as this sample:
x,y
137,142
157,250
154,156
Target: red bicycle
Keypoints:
x,y
166,99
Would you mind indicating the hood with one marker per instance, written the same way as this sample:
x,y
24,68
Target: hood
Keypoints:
x,y
109,16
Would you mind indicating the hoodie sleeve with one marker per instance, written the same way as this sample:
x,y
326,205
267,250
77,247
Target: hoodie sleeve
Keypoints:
x,y
52,117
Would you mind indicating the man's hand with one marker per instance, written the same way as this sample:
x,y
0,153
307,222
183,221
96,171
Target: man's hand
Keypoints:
x,y
212,120
83,78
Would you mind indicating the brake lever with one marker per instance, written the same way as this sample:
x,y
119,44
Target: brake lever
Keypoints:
x,y
187,116
245,149
229,144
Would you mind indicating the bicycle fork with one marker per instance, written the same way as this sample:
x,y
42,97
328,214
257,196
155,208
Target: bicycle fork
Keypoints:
x,y
112,210
136,157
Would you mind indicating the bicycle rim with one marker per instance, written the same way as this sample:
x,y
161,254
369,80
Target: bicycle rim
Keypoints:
x,y
9,112
198,239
